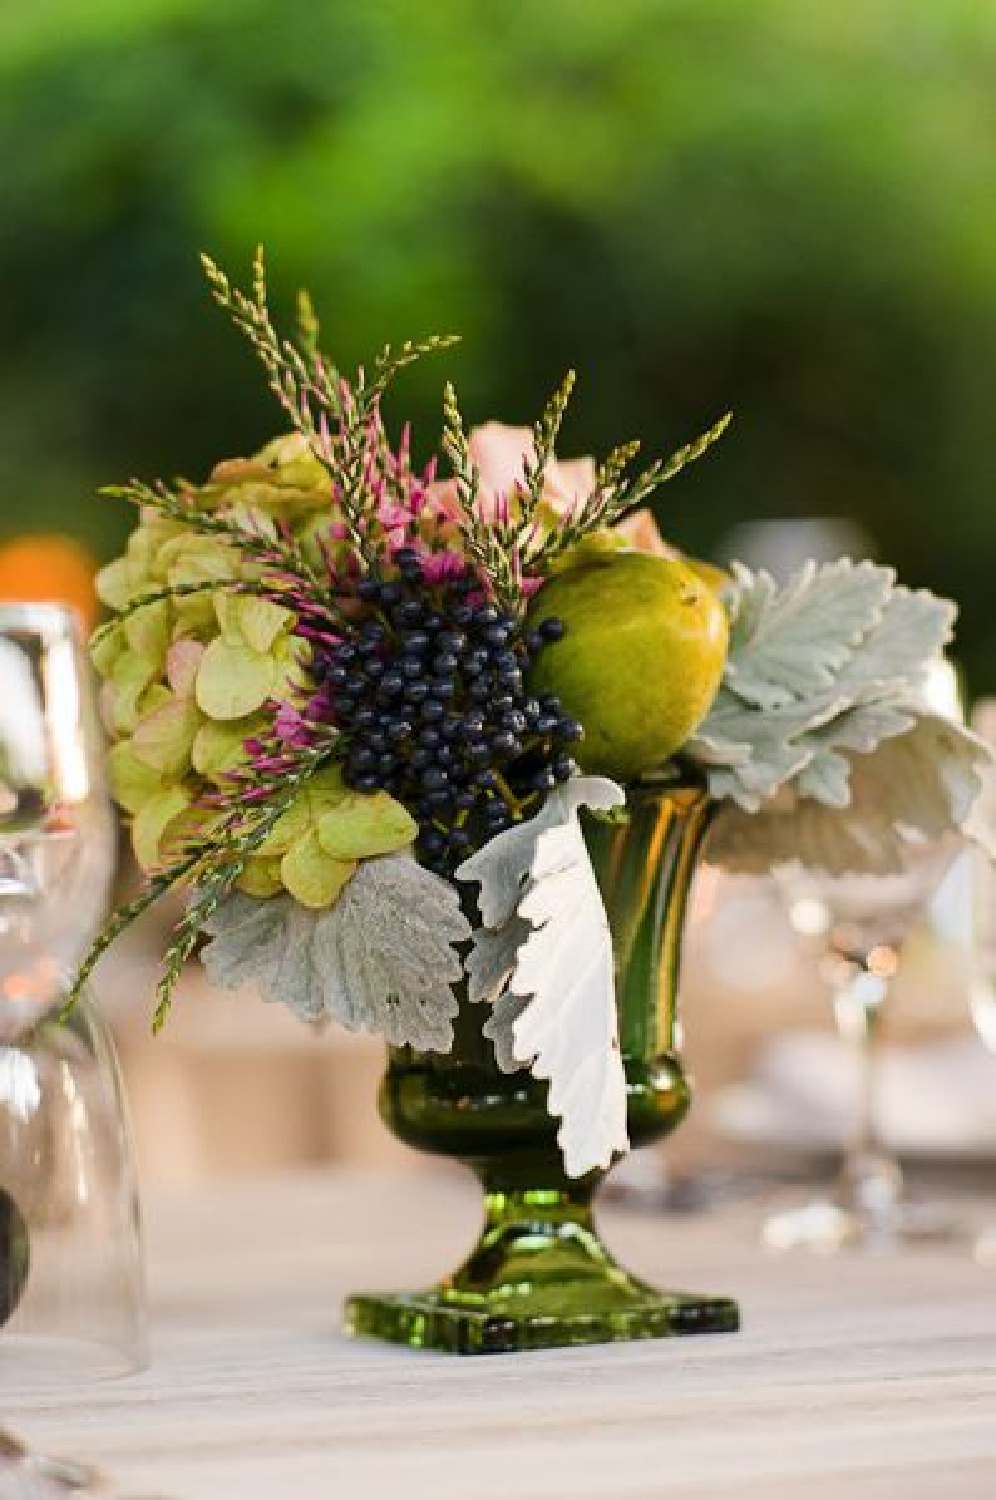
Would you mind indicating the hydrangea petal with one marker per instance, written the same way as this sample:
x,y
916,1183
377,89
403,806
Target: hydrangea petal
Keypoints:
x,y
133,781
233,681
152,823
219,748
164,739
361,827
147,631
311,876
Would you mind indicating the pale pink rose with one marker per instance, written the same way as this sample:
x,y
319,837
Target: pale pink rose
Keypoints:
x,y
497,452
639,531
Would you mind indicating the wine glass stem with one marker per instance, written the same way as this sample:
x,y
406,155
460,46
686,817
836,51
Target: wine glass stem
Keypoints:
x,y
865,1142
870,1180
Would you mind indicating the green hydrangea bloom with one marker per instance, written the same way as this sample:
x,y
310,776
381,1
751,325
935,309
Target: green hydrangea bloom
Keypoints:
x,y
188,680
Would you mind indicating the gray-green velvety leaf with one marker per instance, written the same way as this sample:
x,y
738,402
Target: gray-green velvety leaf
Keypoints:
x,y
381,959
266,944
778,722
499,1028
791,642
826,778
921,783
492,958
749,753
915,626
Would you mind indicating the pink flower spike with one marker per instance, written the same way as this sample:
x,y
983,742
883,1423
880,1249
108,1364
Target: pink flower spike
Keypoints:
x,y
314,633
439,567
392,514
324,436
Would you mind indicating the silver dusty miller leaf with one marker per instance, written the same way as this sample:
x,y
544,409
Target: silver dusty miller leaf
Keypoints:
x,y
499,1028
827,666
544,960
922,783
382,958
791,642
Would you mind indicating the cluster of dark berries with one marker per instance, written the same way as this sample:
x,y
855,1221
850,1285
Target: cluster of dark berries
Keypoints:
x,y
430,690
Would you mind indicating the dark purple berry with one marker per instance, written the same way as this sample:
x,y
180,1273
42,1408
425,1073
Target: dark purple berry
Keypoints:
x,y
569,731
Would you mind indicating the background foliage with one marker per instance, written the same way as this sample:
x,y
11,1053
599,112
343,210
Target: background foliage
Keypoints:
x,y
785,208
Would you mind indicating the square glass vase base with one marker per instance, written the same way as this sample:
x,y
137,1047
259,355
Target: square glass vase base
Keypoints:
x,y
453,1321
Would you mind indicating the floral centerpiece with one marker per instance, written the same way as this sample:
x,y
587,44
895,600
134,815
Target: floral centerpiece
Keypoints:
x,y
356,709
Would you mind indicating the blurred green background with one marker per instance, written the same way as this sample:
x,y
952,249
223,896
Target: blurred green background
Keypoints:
x,y
782,207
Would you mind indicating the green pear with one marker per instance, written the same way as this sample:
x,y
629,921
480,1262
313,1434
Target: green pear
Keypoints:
x,y
641,659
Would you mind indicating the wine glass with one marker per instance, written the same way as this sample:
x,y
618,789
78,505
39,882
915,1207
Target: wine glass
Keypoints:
x,y
859,925
71,1279
982,989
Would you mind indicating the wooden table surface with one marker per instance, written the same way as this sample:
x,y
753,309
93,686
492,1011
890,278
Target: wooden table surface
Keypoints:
x,y
852,1377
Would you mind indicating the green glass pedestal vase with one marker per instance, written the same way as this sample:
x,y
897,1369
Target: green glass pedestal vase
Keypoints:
x,y
540,1276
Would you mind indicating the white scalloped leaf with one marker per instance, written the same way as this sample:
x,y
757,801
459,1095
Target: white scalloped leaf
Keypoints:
x,y
568,1031
544,960
381,959
501,867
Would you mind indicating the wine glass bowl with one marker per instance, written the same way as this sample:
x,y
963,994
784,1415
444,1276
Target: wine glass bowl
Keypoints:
x,y
56,825
72,1298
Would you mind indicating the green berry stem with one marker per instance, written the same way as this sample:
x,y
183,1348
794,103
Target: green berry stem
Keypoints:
x,y
614,496
339,420
268,548
489,544
545,433
122,919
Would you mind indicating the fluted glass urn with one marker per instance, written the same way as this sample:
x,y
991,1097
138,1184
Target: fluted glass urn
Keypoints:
x,y
540,1275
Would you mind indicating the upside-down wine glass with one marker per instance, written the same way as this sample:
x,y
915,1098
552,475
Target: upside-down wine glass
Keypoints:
x,y
72,1297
